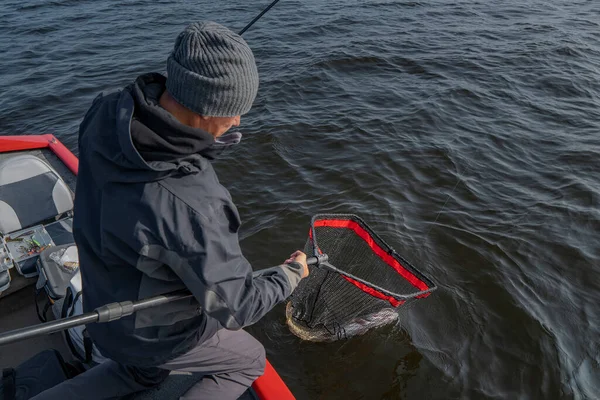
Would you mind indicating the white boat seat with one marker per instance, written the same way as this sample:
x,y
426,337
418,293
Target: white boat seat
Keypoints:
x,y
30,192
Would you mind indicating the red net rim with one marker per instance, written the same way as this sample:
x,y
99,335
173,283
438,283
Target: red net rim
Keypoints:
x,y
380,252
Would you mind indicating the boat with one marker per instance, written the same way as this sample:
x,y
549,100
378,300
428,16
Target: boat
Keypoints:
x,y
37,184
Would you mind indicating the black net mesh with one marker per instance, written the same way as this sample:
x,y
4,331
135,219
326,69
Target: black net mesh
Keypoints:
x,y
327,306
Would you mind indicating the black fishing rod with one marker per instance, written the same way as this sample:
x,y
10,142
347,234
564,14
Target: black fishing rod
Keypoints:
x,y
263,12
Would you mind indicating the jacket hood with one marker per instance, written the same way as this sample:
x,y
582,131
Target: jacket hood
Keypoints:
x,y
158,135
145,142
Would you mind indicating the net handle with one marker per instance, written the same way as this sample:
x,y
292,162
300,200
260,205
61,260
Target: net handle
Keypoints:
x,y
326,265
107,313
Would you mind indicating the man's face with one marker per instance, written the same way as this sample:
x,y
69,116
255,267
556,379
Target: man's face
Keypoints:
x,y
217,126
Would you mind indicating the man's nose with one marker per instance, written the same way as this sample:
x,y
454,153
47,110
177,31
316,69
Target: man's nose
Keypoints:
x,y
236,121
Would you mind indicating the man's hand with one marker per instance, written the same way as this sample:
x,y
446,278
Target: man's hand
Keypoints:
x,y
299,257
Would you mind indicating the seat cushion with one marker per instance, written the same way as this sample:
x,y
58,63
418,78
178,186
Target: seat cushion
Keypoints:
x,y
30,192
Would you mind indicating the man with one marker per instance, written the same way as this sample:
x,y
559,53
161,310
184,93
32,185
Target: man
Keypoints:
x,y
151,217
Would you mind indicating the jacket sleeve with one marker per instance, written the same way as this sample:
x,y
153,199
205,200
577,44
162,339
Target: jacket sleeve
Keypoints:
x,y
211,265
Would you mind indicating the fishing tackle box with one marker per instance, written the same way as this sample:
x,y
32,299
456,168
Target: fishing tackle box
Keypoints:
x,y
23,248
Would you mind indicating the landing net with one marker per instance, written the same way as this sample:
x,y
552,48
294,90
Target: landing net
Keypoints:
x,y
370,278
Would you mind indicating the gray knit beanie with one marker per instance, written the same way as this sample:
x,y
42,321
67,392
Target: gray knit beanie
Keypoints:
x,y
212,71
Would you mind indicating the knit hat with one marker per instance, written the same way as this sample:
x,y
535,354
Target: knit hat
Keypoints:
x,y
212,71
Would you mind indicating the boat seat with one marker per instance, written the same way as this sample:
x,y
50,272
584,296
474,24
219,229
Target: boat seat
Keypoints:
x,y
30,192
61,231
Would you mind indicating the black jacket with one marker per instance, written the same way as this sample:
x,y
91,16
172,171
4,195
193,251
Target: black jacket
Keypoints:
x,y
150,225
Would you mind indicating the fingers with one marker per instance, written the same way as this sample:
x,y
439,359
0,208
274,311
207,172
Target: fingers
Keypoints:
x,y
292,258
296,254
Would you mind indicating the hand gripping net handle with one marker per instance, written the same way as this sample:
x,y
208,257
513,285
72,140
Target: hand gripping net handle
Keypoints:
x,y
382,252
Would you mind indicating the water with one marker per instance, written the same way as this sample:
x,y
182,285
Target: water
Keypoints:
x,y
381,108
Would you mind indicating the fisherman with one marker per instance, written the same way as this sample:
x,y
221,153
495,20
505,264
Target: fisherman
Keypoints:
x,y
151,217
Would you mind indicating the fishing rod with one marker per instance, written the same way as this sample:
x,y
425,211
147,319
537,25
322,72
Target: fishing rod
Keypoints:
x,y
263,12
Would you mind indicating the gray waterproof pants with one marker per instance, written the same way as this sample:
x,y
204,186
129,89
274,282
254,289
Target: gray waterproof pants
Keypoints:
x,y
229,362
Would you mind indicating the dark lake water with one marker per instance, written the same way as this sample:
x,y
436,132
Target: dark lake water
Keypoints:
x,y
382,108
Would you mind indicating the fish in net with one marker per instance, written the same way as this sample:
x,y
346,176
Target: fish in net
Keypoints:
x,y
358,285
